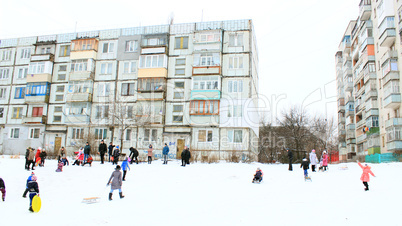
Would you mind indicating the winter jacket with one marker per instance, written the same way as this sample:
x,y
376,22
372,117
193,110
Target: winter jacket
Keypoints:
x,y
116,153
258,174
325,160
62,153
111,149
313,158
165,150
2,185
33,186
290,155
81,156
43,155
116,180
134,152
305,164
186,155
124,165
27,153
102,148
31,155
87,149
150,151
37,155
366,171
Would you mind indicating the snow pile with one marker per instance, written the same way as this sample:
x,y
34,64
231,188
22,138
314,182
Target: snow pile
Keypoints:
x,y
204,194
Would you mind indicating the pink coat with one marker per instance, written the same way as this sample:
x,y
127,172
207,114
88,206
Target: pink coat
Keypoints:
x,y
150,152
325,160
366,171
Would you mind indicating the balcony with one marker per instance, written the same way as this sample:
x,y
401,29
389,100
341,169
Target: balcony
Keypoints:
x,y
369,75
387,31
392,101
372,112
393,122
80,76
206,70
394,145
372,93
39,78
388,55
154,50
205,95
42,57
361,138
34,99
83,54
349,112
365,10
351,127
152,73
348,86
360,123
77,119
150,96
392,75
35,120
79,97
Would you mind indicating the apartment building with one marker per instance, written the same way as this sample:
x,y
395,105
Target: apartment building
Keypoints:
x,y
368,78
193,84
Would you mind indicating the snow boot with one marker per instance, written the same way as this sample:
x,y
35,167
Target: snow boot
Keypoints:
x,y
121,195
110,196
30,209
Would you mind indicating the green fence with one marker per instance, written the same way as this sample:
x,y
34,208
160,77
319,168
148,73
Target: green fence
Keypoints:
x,y
379,158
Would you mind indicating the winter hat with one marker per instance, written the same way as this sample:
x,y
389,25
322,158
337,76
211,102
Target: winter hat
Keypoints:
x,y
118,167
117,147
32,173
313,150
39,148
34,178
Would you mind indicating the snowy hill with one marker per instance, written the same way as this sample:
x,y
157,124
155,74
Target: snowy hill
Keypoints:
x,y
204,194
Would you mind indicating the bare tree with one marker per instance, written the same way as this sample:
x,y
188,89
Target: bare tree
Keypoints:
x,y
324,131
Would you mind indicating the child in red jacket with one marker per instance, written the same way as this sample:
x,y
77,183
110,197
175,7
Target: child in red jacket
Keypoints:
x,y
365,176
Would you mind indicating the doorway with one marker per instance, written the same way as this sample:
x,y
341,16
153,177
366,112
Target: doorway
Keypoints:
x,y
57,145
180,147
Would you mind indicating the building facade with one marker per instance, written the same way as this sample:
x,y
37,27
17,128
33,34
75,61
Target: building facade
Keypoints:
x,y
193,84
368,78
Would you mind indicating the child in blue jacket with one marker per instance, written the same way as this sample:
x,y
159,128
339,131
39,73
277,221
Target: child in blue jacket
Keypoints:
x,y
124,166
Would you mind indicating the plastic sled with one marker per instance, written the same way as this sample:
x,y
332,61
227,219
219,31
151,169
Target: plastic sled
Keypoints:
x,y
36,203
91,200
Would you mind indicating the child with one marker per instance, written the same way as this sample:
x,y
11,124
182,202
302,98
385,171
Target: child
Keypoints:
x,y
124,166
26,189
65,161
89,161
258,176
305,164
79,157
2,189
33,190
365,175
60,166
116,183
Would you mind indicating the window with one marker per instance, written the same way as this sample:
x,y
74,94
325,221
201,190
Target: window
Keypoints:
x,y
102,111
45,50
59,98
38,89
19,93
78,109
80,87
1,112
106,68
205,136
79,65
210,37
151,84
154,41
25,53
4,72
22,73
235,136
207,59
131,46
235,86
152,61
60,89
236,62
150,133
206,82
108,47
179,85
236,40
100,134
61,76
58,109
204,107
17,113
37,111
15,133
129,67
235,111
127,89
84,44
180,72
37,68
178,95
5,55
390,65
57,118
64,50
103,89
181,43
177,108
34,133
77,133
3,93
127,112
180,61
128,134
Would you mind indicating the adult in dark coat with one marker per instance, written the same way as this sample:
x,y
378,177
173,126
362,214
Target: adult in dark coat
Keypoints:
x,y
26,158
290,157
111,146
102,151
185,156
165,153
42,156
133,155
116,155
87,151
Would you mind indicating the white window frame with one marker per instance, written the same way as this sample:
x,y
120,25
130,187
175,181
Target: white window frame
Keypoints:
x,y
34,133
235,86
131,46
153,61
236,40
3,92
4,73
150,133
211,82
5,55
103,89
79,65
235,111
36,68
102,111
106,68
25,53
108,47
231,136
14,133
100,133
130,67
236,62
22,72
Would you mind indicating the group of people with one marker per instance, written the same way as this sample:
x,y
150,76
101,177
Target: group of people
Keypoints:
x,y
33,159
313,160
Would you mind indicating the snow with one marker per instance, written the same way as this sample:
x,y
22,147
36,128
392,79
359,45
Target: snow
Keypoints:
x,y
204,194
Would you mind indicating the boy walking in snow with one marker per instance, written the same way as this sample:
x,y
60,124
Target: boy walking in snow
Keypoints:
x,y
33,190
26,189
305,164
365,175
124,166
2,189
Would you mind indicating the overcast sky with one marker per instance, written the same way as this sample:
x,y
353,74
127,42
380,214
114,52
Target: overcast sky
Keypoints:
x,y
297,39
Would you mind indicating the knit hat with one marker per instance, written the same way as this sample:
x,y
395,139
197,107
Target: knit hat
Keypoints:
x,y
313,150
34,178
118,167
117,147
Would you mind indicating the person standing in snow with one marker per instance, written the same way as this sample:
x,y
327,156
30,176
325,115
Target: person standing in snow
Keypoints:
x,y
365,175
111,146
62,153
102,151
33,188
305,164
124,167
133,155
165,153
3,189
26,189
325,160
87,151
31,158
185,156
116,155
37,156
26,158
42,156
150,149
290,157
116,182
313,160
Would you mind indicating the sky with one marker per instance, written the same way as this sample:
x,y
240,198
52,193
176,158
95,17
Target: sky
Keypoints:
x,y
297,40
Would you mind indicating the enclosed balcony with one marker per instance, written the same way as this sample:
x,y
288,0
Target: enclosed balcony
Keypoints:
x,y
210,40
150,112
393,122
35,120
42,57
207,64
153,66
82,70
365,9
394,145
79,91
78,113
390,54
37,92
387,32
392,101
84,48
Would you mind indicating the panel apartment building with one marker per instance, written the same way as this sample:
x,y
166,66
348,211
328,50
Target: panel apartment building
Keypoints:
x,y
368,78
193,84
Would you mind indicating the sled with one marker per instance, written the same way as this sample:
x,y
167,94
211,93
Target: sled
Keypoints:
x,y
307,179
343,168
91,200
36,203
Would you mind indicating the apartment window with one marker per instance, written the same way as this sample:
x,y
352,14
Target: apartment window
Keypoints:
x,y
179,85
22,73
235,136
64,50
178,108
108,47
61,75
57,118
58,109
59,97
79,65
102,111
131,46
60,89
128,89
206,82
129,67
38,89
15,133
84,44
25,53
178,95
235,111
180,61
390,65
5,55
34,133
235,86
127,112
19,93
181,43
150,133
78,109
154,41
151,84
204,107
45,50
3,93
80,87
180,72
103,89
1,112
207,59
36,68
77,133
37,111
17,113
4,72
210,37
152,61
236,40
204,135
236,62
100,134
106,68
128,134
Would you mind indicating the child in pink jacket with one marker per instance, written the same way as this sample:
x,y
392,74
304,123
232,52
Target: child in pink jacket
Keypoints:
x,y
365,176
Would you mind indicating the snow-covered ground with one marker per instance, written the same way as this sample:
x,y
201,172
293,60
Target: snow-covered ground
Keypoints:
x,y
204,194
